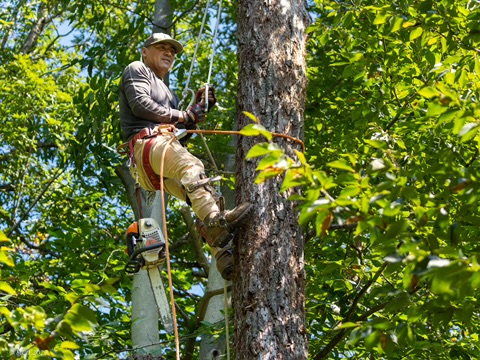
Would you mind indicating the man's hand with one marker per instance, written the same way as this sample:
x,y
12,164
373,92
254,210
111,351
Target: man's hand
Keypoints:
x,y
195,114
200,97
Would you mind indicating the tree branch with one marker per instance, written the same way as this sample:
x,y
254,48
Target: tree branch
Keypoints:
x,y
337,338
196,240
7,187
8,31
41,249
17,223
206,298
37,29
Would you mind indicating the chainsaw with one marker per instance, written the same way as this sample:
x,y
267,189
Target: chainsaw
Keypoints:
x,y
146,251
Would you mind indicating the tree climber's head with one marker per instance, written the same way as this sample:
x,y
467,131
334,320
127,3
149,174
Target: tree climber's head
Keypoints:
x,y
158,53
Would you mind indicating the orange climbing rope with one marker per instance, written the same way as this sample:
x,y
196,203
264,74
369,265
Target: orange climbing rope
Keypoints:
x,y
121,148
229,132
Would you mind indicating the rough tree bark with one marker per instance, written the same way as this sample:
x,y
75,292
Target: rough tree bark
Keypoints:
x,y
268,296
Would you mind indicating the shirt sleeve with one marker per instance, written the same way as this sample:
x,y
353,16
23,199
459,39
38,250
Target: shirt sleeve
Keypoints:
x,y
137,85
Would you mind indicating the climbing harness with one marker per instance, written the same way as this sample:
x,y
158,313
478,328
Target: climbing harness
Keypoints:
x,y
149,135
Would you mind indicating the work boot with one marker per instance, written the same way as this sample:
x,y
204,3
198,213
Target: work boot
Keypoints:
x,y
224,256
220,225
224,259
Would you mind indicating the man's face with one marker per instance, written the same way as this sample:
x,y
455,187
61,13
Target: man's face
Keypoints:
x,y
159,57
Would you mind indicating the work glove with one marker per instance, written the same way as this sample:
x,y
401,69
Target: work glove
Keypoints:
x,y
194,114
200,97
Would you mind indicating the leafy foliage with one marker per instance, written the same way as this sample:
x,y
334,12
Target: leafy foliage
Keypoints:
x,y
390,186
63,292
389,179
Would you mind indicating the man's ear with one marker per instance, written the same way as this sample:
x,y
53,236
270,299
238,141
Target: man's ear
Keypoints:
x,y
144,51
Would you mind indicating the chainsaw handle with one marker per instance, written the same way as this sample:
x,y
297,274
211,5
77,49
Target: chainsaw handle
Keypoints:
x,y
133,266
146,248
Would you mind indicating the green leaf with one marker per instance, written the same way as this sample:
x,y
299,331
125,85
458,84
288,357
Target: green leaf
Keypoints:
x,y
5,257
250,116
322,221
381,18
355,57
292,178
400,143
69,345
350,191
396,228
267,173
80,318
435,108
263,149
469,131
348,325
416,33
449,116
428,92
377,144
65,329
272,161
372,340
347,19
255,130
7,288
340,164
3,237
442,285
396,24
301,157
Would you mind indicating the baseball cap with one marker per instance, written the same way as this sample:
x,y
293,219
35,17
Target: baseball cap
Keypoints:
x,y
163,38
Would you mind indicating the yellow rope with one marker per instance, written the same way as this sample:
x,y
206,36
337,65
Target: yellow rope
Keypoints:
x,y
167,253
225,311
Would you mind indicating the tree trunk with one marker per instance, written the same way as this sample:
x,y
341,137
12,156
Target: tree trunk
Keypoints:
x,y
36,30
145,329
162,21
268,296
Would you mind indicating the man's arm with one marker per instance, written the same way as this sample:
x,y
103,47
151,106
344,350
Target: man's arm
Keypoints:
x,y
137,83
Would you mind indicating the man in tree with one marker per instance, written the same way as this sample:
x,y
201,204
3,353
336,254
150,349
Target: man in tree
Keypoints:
x,y
149,116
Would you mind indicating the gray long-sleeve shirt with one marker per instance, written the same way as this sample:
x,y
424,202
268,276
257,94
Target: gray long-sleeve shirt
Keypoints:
x,y
145,100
